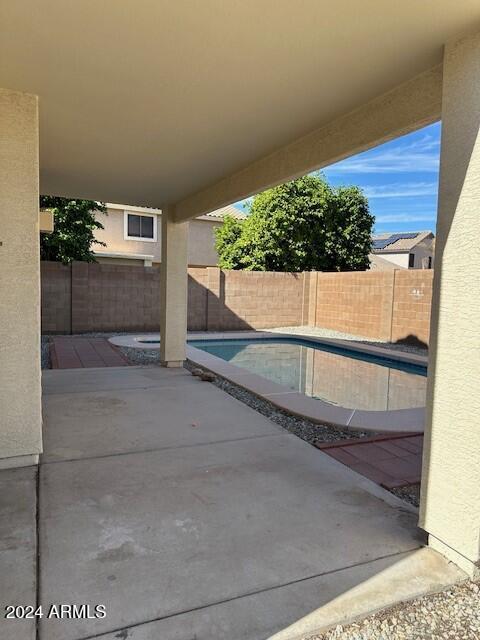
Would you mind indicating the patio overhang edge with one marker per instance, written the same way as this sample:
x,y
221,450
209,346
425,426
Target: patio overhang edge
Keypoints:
x,y
411,105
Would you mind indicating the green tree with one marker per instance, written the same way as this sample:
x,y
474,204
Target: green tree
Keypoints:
x,y
74,227
301,225
226,242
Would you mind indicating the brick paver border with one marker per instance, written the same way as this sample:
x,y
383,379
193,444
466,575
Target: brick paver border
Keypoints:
x,y
390,461
77,352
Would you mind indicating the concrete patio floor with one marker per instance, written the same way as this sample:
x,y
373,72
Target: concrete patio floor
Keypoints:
x,y
188,515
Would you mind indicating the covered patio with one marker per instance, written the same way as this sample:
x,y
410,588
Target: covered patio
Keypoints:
x,y
189,515
125,102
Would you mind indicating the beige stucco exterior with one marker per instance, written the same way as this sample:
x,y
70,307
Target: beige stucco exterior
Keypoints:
x,y
118,245
173,291
421,252
150,127
20,412
46,221
120,249
201,243
450,506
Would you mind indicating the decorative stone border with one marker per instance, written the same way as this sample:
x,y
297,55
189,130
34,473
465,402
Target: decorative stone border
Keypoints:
x,y
395,421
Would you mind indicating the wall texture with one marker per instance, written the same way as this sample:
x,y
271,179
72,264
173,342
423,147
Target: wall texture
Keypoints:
x,y
412,299
450,503
102,297
357,302
382,305
201,240
256,299
56,292
113,236
20,402
197,299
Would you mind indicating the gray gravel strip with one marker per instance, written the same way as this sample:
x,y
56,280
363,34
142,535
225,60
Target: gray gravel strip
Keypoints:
x,y
141,356
410,494
45,352
453,614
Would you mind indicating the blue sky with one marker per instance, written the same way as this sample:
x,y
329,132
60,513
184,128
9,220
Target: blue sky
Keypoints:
x,y
400,179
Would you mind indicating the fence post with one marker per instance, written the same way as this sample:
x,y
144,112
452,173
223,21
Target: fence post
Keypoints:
x,y
311,310
213,298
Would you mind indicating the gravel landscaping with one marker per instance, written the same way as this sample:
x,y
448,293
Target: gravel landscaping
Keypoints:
x,y
45,352
453,614
410,494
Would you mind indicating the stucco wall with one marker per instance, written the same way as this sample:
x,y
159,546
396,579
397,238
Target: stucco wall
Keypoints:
x,y
113,235
421,251
399,259
20,413
450,504
201,241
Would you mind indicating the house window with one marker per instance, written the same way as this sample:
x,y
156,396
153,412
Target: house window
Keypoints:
x,y
140,227
411,260
429,262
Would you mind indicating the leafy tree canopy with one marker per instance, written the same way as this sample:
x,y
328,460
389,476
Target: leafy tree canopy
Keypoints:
x,y
302,225
74,227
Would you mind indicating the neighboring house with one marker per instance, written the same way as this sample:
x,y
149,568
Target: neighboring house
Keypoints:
x,y
403,251
133,236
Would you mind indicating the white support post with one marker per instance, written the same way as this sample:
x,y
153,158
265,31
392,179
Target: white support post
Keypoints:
x,y
20,391
450,501
173,295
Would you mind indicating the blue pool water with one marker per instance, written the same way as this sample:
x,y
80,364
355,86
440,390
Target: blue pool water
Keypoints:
x,y
333,374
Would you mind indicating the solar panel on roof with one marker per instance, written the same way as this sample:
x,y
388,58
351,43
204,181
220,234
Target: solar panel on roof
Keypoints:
x,y
381,244
384,242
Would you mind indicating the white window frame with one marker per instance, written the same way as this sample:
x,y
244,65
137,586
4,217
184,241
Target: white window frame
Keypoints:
x,y
127,213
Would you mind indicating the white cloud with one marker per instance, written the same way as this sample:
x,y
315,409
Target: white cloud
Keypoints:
x,y
405,217
402,190
407,157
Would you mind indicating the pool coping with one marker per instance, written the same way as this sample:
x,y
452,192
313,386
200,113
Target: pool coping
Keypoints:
x,y
391,421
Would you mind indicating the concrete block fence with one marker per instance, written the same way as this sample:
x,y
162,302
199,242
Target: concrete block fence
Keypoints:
x,y
84,297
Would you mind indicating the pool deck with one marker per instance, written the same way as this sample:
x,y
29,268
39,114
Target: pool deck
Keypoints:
x,y
299,404
189,515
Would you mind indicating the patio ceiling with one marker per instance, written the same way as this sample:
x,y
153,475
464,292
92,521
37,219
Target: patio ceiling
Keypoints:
x,y
149,102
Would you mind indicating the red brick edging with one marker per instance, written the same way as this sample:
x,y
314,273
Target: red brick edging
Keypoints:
x,y
391,461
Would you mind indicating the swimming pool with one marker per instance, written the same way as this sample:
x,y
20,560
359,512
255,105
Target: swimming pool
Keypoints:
x,y
336,375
